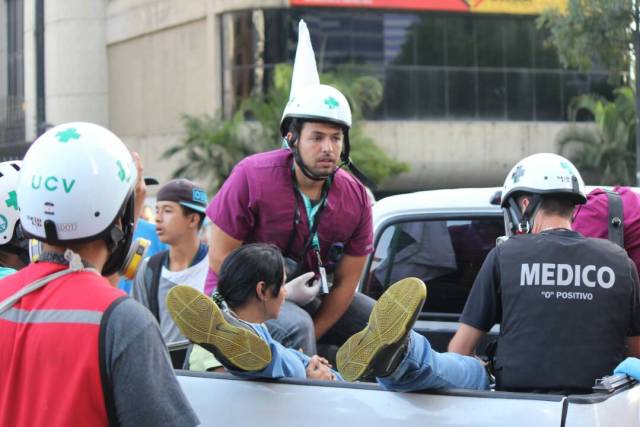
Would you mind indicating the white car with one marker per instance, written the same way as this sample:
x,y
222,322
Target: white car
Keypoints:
x,y
443,237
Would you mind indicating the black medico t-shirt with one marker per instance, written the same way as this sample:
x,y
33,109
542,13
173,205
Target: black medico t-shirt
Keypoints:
x,y
565,304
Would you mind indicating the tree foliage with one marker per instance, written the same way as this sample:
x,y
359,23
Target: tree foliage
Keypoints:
x,y
599,33
607,151
592,32
212,145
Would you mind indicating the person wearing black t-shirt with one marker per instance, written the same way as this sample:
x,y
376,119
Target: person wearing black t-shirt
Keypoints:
x,y
568,306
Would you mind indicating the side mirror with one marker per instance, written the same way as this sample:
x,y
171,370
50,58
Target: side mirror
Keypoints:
x,y
496,199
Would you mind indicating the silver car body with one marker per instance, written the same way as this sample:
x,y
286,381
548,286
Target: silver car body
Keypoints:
x,y
221,399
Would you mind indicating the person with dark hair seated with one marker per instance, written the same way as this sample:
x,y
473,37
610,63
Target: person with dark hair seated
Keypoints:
x,y
557,295
251,290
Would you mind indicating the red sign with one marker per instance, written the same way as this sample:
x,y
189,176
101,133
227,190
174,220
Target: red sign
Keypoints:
x,y
447,5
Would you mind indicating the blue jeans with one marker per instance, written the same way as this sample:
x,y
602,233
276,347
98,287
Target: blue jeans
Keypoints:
x,y
423,368
294,326
285,362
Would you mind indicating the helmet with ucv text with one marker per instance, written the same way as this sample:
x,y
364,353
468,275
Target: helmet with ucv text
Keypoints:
x,y
76,185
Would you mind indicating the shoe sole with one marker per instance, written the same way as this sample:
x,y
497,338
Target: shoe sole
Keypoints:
x,y
391,319
202,322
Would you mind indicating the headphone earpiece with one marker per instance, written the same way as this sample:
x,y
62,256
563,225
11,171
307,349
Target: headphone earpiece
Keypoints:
x,y
135,255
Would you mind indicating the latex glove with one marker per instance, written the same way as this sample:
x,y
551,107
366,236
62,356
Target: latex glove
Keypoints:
x,y
299,292
629,366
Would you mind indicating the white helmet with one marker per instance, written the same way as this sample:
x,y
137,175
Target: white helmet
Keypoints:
x,y
9,209
77,180
321,103
544,173
317,102
539,175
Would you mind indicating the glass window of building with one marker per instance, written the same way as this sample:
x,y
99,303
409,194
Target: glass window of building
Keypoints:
x,y
433,65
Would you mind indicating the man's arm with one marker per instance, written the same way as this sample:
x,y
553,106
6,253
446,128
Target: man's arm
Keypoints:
x,y
144,388
221,245
141,187
482,309
140,195
233,220
633,338
139,285
345,283
465,340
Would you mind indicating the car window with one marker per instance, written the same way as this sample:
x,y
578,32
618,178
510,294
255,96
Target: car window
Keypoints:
x,y
445,254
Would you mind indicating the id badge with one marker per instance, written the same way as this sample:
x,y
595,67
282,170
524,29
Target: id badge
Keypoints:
x,y
324,285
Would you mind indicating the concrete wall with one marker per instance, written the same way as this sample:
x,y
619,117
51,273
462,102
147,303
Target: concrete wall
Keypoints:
x,y
163,61
153,79
3,55
30,100
460,153
76,61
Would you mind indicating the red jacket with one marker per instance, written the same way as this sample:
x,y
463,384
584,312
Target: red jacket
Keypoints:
x,y
50,367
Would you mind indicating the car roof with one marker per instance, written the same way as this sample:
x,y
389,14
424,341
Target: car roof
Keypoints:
x,y
457,200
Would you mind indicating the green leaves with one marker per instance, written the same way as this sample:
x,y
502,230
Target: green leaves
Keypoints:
x,y
212,145
598,33
592,32
604,153
211,148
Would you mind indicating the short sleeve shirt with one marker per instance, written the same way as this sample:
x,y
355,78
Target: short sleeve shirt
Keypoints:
x,y
592,218
257,203
557,296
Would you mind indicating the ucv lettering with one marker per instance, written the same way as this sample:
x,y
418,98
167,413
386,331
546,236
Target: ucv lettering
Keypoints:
x,y
548,274
52,183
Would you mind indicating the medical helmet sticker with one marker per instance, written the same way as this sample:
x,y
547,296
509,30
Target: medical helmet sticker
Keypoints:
x,y
517,174
12,201
67,135
331,103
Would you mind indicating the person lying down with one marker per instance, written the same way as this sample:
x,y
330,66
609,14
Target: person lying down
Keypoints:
x,y
251,289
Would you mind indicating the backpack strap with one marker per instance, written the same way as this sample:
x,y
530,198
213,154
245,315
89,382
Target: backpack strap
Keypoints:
x,y
155,265
616,218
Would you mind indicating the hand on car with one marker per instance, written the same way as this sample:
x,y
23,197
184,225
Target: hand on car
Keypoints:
x,y
629,366
299,291
319,368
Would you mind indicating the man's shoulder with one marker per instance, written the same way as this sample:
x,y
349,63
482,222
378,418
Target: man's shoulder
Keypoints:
x,y
346,183
268,159
604,245
264,168
95,286
127,318
587,245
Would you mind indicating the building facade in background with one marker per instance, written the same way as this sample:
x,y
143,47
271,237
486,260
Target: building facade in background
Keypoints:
x,y
469,86
12,120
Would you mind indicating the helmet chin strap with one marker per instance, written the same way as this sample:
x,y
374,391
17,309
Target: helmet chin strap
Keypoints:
x,y
358,173
522,223
306,171
119,237
344,157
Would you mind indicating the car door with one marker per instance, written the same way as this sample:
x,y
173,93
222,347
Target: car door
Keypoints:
x,y
446,251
